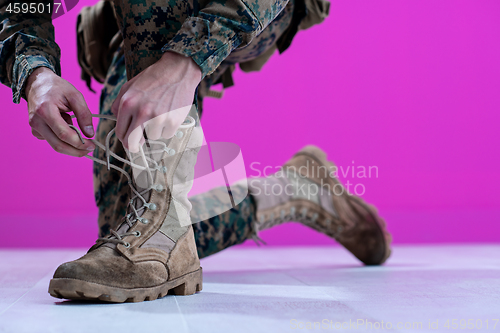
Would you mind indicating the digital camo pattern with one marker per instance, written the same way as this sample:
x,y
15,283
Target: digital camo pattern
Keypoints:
x,y
110,187
146,27
227,229
26,43
205,31
266,39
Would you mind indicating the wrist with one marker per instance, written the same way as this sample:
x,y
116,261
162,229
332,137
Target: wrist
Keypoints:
x,y
191,72
33,76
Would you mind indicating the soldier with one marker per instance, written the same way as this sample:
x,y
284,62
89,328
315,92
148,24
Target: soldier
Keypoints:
x,y
169,56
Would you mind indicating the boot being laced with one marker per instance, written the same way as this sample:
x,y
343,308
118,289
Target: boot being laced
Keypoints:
x,y
145,260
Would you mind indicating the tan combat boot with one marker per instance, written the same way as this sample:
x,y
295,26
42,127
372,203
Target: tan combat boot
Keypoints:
x,y
305,191
153,252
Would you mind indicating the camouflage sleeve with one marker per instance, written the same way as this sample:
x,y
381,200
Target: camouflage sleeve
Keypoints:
x,y
222,26
26,43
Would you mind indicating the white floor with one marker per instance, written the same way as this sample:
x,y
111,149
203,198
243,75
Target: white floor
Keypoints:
x,y
276,290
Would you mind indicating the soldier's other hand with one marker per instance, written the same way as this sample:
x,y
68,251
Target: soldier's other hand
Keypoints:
x,y
49,99
157,100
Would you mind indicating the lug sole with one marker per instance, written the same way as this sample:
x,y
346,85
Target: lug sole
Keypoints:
x,y
321,157
74,289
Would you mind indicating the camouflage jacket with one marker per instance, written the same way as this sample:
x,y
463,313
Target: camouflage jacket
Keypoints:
x,y
210,31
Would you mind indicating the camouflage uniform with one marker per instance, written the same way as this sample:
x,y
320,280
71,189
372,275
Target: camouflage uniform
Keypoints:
x,y
216,35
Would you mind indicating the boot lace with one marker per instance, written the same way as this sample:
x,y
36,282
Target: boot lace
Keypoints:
x,y
149,165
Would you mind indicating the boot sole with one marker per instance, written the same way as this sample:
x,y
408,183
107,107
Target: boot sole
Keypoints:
x,y
74,289
320,156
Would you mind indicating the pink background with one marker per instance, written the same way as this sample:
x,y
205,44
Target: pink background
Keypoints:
x,y
411,87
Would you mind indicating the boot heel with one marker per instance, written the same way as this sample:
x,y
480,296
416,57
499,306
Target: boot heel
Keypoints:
x,y
193,282
314,151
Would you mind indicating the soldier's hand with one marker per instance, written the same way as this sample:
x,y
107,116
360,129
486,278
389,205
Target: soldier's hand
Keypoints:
x,y
157,100
49,99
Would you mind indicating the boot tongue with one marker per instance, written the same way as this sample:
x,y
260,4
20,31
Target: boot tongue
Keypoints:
x,y
139,182
142,181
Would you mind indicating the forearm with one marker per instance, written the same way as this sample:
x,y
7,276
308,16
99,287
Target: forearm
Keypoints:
x,y
26,43
222,26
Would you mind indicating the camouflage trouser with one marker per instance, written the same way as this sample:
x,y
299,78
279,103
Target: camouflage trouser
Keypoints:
x,y
111,188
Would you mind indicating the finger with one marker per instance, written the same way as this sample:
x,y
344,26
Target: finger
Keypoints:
x,y
122,124
83,115
135,131
115,107
155,126
135,137
36,134
61,129
174,120
128,108
58,145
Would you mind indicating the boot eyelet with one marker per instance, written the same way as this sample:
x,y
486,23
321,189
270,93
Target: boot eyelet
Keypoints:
x,y
126,244
315,217
137,234
179,134
151,206
169,151
144,221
